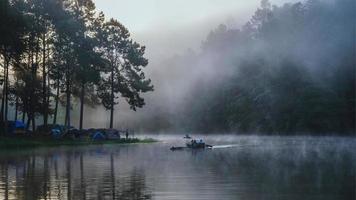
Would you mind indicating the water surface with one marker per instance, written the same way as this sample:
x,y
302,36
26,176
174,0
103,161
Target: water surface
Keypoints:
x,y
239,167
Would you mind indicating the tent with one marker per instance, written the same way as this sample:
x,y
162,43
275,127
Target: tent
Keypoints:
x,y
98,136
19,124
56,132
15,125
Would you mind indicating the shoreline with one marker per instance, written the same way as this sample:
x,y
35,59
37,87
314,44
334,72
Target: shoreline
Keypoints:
x,y
25,142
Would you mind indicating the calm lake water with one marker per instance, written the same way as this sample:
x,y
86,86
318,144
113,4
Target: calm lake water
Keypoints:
x,y
240,167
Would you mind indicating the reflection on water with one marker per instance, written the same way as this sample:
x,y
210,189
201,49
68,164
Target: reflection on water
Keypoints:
x,y
69,174
239,168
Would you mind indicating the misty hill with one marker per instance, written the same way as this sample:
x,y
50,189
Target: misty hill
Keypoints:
x,y
290,68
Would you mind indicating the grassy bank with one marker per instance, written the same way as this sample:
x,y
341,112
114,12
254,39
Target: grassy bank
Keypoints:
x,y
19,142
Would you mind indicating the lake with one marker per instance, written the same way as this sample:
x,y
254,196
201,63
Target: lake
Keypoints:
x,y
238,167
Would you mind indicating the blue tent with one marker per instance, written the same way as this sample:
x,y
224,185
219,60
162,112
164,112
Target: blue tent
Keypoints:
x,y
19,124
14,125
98,136
56,132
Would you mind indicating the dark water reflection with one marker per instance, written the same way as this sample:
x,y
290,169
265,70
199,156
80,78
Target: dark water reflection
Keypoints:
x,y
240,168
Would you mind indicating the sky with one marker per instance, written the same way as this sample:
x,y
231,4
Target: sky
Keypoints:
x,y
167,27
172,26
139,15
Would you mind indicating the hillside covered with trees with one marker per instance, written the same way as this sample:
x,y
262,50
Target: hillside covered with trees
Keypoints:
x,y
289,69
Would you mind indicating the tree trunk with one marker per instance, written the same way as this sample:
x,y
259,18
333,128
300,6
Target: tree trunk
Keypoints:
x,y
112,99
112,116
28,121
66,117
44,89
48,94
81,106
16,94
56,106
5,94
67,120
6,91
16,107
33,123
23,116
67,123
29,107
25,109
34,74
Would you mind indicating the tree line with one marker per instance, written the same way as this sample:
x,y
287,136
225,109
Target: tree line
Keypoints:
x,y
290,69
55,51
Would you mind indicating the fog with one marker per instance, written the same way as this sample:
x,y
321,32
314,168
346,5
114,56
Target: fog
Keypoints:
x,y
251,168
191,54
167,29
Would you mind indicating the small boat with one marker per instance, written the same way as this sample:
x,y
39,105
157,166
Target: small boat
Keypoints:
x,y
193,144
197,144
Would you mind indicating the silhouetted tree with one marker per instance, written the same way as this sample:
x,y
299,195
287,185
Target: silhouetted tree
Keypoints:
x,y
124,73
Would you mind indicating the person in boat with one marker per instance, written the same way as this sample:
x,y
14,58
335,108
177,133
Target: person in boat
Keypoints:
x,y
197,144
193,143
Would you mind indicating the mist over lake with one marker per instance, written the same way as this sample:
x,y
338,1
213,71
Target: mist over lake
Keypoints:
x,y
240,167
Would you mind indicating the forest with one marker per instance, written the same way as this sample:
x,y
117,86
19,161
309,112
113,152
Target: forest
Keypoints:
x,y
289,70
55,52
